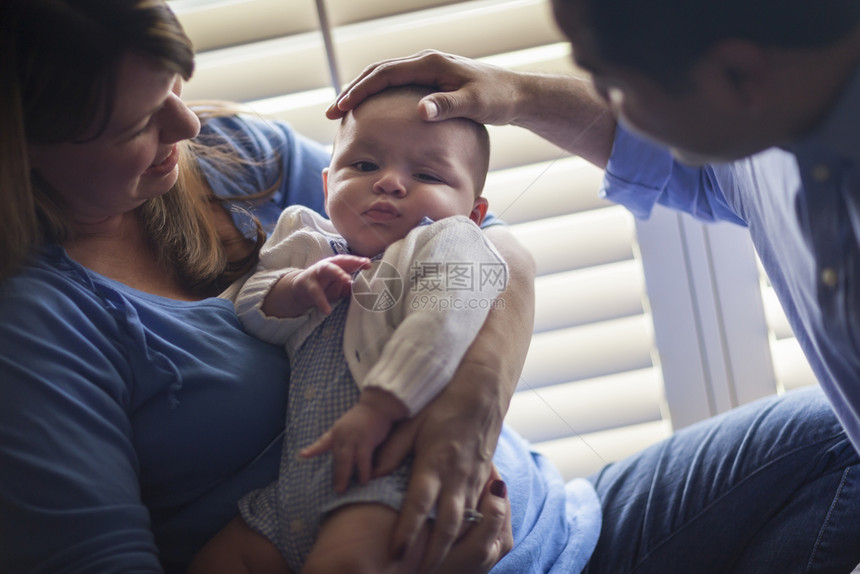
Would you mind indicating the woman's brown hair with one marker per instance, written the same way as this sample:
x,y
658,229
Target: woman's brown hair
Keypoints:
x,y
57,79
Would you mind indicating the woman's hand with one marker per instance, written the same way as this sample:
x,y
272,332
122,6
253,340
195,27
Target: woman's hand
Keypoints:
x,y
563,109
485,543
454,437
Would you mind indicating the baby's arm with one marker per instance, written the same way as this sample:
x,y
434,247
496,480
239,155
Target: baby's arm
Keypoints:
x,y
356,434
321,284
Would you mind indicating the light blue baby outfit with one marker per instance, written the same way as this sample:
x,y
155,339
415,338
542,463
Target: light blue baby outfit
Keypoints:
x,y
321,390
405,347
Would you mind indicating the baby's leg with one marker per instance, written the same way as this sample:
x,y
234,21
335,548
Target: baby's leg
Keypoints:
x,y
238,549
356,539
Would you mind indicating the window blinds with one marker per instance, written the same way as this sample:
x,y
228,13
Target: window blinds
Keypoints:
x,y
791,368
592,388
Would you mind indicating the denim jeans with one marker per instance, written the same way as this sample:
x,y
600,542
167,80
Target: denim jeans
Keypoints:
x,y
772,486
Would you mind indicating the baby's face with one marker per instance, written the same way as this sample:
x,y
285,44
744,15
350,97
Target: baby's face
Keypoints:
x,y
390,169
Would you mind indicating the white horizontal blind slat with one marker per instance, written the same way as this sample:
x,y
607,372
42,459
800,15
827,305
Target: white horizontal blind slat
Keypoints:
x,y
543,189
474,29
264,69
592,405
593,350
578,240
790,365
588,295
222,23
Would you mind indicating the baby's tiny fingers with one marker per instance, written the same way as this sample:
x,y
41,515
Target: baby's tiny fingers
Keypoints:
x,y
321,445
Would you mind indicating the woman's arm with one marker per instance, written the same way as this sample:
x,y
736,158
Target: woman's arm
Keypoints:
x,y
560,108
69,486
454,437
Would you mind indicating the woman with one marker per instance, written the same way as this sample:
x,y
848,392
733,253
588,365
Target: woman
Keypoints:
x,y
134,412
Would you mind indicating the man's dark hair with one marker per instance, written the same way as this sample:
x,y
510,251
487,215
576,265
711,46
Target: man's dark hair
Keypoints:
x,y
664,38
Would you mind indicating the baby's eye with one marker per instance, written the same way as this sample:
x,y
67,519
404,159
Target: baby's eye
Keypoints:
x,y
365,166
430,178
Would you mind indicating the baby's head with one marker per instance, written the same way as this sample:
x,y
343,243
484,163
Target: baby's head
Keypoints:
x,y
390,169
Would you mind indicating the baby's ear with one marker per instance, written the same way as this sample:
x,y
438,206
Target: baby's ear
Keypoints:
x,y
325,188
479,210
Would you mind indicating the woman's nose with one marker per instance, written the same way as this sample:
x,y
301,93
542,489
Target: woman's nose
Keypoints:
x,y
178,122
390,182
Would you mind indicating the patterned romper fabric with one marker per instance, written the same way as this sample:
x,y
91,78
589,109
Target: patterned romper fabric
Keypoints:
x,y
289,512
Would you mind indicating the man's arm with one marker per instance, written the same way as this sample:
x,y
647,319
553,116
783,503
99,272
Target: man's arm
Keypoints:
x,y
560,108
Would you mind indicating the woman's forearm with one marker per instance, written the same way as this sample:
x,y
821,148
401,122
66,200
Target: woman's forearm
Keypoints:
x,y
454,437
495,359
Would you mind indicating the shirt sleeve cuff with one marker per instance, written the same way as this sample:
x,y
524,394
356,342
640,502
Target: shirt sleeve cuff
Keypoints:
x,y
637,173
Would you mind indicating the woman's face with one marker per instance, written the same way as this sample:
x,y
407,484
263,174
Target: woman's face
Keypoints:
x,y
134,159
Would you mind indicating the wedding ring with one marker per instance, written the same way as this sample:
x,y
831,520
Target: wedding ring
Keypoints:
x,y
472,515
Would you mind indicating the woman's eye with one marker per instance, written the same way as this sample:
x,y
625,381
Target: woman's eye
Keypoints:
x,y
141,131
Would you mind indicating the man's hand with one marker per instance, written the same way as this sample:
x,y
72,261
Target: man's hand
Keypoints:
x,y
468,88
561,108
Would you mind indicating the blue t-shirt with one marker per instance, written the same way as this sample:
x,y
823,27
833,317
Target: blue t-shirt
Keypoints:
x,y
802,208
131,424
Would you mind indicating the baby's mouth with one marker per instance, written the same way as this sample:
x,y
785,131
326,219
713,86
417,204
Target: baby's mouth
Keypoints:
x,y
381,212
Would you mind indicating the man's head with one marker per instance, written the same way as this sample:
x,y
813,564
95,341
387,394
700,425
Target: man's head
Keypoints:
x,y
714,79
664,38
390,169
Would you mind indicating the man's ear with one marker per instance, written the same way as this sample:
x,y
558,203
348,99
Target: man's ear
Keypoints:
x,y
325,188
479,210
737,76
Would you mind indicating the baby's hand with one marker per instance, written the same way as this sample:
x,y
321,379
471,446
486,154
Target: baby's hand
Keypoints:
x,y
355,435
326,281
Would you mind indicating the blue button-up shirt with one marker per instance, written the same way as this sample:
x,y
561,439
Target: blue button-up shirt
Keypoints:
x,y
802,208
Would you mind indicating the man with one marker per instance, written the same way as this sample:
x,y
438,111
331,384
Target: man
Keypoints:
x,y
750,112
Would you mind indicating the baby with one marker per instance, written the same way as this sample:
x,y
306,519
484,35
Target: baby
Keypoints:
x,y
403,197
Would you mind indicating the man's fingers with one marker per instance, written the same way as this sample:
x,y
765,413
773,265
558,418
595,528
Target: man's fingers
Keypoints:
x,y
371,80
421,68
